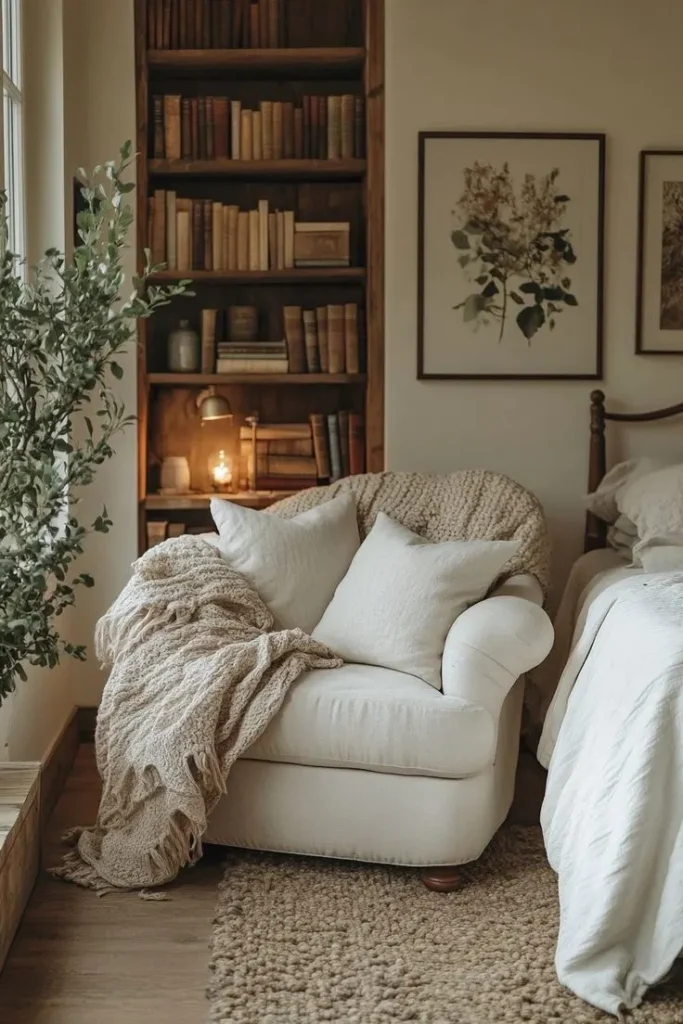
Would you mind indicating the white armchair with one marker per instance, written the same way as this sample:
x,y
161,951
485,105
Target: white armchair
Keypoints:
x,y
372,764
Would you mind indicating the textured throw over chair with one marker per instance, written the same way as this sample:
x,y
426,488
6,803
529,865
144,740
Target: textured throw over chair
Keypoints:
x,y
372,764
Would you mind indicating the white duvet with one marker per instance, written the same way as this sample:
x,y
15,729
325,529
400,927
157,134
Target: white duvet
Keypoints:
x,y
613,812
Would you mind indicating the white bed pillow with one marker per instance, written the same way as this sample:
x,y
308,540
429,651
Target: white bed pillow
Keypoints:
x,y
654,503
603,501
402,594
663,556
294,564
622,535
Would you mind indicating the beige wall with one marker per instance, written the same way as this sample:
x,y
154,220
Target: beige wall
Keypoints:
x,y
584,65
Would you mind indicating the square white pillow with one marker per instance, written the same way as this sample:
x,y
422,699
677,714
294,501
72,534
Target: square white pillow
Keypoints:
x,y
603,502
403,593
293,564
654,503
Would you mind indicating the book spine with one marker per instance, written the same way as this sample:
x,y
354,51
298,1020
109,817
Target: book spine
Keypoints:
x,y
351,338
171,235
286,465
247,29
311,341
158,142
217,236
356,444
243,240
263,19
152,24
314,127
184,248
298,133
207,219
254,256
175,24
323,345
207,23
231,213
284,483
159,24
235,128
172,127
245,137
334,127
194,127
190,26
198,24
256,136
294,336
343,424
186,130
198,234
288,255
247,365
347,114
238,12
210,129
221,134
215,23
254,41
335,338
272,240
287,131
322,128
201,108
182,24
156,530
226,29
267,129
263,234
335,447
359,127
306,127
208,340
277,130
280,235
166,25
159,238
320,445
273,23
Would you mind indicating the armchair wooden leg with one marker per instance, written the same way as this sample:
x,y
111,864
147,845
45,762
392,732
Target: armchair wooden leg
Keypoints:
x,y
446,879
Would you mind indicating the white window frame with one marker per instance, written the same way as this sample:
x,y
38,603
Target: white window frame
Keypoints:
x,y
12,165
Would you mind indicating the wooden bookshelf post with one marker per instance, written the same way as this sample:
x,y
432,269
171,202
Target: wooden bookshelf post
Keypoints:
x,y
270,105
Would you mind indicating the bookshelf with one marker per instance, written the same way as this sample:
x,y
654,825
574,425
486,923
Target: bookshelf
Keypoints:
x,y
333,50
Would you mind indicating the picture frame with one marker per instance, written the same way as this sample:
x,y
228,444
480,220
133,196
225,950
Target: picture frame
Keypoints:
x,y
659,279
510,255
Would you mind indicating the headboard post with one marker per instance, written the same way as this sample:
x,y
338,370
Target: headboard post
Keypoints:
x,y
596,529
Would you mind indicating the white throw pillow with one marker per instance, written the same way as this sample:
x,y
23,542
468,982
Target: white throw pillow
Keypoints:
x,y
403,593
654,503
603,502
293,564
663,556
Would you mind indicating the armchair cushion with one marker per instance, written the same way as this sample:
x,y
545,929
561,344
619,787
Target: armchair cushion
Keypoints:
x,y
379,720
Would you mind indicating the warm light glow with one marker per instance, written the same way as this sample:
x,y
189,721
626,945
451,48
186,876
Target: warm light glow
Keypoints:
x,y
221,471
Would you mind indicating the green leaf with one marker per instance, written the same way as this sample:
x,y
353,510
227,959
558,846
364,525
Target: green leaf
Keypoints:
x,y
517,298
116,370
553,294
530,288
571,300
473,306
21,671
86,579
460,240
490,290
530,319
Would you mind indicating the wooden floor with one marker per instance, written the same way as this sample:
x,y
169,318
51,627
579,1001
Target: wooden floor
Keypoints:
x,y
78,959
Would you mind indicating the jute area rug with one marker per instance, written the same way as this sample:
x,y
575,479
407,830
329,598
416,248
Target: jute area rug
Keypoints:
x,y
303,941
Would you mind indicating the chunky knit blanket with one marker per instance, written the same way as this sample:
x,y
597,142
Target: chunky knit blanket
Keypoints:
x,y
472,504
196,678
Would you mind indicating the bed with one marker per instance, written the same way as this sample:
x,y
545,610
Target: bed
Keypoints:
x,y
612,741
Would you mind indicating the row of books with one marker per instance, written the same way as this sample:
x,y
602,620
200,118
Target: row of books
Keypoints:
x,y
322,340
201,234
215,24
215,127
290,456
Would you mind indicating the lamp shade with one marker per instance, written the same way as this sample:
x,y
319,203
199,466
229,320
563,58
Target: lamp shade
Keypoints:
x,y
213,406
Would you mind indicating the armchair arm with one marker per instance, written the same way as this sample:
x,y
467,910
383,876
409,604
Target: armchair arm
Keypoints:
x,y
494,642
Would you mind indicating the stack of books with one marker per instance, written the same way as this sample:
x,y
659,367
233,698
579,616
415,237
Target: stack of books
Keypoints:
x,y
285,458
211,24
323,340
251,357
217,128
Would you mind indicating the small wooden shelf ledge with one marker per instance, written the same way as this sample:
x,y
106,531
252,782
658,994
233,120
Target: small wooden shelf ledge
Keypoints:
x,y
282,379
308,275
308,170
183,502
308,62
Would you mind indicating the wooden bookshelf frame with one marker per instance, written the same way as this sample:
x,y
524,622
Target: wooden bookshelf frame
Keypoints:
x,y
361,64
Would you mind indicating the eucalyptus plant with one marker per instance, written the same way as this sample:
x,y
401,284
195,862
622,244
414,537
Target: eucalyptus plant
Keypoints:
x,y
62,327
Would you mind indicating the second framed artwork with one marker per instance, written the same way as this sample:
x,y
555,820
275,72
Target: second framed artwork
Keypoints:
x,y
510,258
659,316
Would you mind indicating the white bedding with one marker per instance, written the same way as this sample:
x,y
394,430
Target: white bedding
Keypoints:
x,y
613,811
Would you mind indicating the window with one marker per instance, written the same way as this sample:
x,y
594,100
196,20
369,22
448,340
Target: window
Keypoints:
x,y
12,124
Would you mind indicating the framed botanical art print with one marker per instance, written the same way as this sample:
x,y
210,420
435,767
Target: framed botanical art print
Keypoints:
x,y
510,255
659,314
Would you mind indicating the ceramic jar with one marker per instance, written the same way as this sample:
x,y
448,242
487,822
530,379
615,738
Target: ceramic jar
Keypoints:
x,y
183,349
175,475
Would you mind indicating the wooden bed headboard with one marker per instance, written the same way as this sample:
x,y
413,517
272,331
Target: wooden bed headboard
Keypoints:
x,y
596,530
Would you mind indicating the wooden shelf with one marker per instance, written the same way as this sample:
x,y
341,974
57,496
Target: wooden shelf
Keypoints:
x,y
281,379
303,275
185,502
305,170
309,62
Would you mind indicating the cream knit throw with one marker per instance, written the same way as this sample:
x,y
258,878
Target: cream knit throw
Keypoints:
x,y
467,505
196,678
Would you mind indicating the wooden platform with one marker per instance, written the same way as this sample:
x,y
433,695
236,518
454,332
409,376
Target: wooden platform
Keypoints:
x,y
19,844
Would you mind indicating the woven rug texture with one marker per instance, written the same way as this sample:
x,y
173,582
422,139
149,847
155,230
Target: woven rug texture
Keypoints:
x,y
300,940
